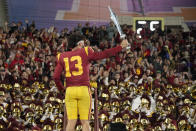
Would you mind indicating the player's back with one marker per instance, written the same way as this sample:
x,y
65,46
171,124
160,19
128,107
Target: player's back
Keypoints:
x,y
76,67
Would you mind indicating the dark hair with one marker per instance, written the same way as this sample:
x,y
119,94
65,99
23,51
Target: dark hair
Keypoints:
x,y
73,39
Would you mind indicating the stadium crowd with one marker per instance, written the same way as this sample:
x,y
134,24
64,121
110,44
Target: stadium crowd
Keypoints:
x,y
147,87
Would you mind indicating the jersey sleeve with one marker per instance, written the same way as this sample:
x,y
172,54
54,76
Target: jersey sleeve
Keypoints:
x,y
103,54
57,74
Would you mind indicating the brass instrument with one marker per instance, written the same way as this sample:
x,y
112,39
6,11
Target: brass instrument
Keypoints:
x,y
118,119
126,117
122,84
157,128
47,128
192,90
27,99
79,128
176,90
157,90
144,122
49,107
184,89
3,86
32,106
52,83
171,127
133,121
8,86
103,117
138,127
27,90
106,127
145,103
169,86
16,112
41,86
106,96
58,122
39,110
17,86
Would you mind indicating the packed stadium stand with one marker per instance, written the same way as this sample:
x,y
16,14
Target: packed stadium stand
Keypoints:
x,y
148,87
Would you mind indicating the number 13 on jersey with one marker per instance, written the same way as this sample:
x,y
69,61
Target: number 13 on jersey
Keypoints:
x,y
78,66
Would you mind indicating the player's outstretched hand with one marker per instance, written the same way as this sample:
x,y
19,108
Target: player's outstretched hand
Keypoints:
x,y
124,43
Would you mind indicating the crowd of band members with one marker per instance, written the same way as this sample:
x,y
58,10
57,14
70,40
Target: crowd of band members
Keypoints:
x,y
148,86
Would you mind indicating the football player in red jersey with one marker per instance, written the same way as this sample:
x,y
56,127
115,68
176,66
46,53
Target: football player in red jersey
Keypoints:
x,y
76,65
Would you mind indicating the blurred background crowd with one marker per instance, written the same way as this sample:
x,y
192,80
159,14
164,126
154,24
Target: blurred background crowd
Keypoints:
x,y
150,86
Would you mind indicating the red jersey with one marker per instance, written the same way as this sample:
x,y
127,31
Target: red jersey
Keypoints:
x,y
76,65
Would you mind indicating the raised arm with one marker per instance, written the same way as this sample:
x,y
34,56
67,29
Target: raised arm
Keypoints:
x,y
106,53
